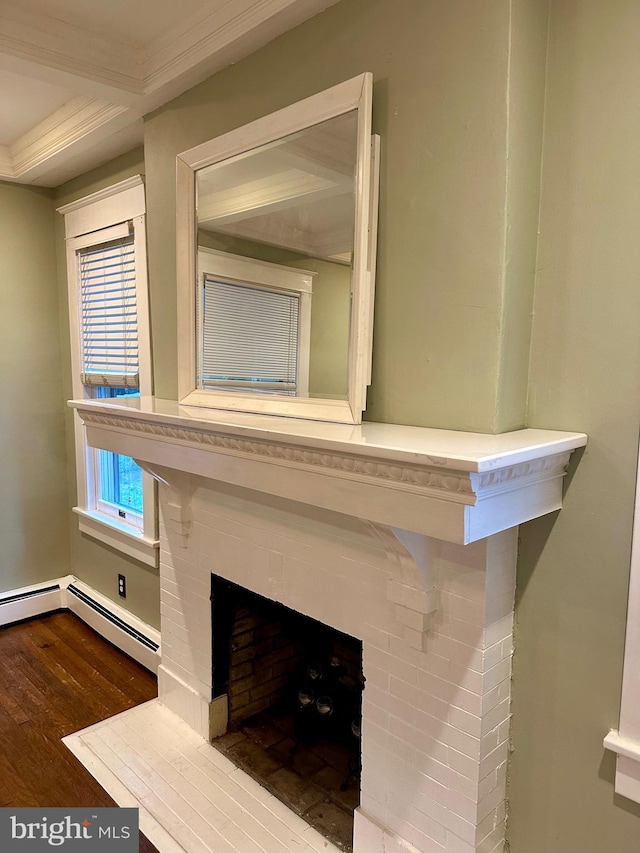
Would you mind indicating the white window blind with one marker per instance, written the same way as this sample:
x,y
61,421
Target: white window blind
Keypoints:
x,y
108,314
249,338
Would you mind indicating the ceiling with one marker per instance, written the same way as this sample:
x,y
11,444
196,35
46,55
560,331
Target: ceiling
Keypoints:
x,y
77,76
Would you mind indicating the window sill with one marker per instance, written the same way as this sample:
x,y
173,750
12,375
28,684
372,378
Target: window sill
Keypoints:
x,y
118,536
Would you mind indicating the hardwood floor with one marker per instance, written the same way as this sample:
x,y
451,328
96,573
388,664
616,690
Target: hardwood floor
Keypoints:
x,y
58,676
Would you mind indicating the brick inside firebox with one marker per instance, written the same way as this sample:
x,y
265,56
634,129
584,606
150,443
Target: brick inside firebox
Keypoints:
x,y
264,653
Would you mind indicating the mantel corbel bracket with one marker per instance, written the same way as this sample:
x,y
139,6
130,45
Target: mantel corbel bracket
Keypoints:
x,y
180,487
411,590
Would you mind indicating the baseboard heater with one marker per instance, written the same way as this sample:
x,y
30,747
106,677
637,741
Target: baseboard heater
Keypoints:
x,y
30,593
134,637
115,620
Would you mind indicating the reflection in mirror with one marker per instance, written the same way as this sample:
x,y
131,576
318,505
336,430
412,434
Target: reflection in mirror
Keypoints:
x,y
289,203
276,228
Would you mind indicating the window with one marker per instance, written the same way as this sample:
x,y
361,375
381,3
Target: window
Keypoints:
x,y
248,338
110,353
119,483
253,326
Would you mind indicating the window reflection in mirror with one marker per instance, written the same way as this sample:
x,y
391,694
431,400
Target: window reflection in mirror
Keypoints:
x,y
287,204
289,199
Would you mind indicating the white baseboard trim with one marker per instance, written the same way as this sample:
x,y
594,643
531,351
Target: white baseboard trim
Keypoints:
x,y
128,633
30,601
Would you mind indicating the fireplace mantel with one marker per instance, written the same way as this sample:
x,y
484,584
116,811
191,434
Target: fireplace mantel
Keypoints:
x,y
366,529
454,486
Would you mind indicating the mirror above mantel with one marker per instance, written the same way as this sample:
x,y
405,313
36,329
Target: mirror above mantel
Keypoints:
x,y
276,229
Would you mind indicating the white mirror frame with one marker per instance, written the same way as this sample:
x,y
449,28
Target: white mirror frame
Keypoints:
x,y
352,94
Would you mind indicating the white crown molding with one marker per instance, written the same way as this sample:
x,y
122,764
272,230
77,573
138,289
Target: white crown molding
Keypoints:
x,y
433,482
76,123
217,36
71,50
118,83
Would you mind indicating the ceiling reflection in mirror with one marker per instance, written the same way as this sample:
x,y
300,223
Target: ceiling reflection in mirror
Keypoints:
x,y
288,206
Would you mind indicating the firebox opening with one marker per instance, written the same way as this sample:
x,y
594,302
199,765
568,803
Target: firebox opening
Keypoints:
x,y
294,694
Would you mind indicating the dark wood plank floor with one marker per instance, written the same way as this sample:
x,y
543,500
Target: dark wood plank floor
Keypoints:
x,y
58,676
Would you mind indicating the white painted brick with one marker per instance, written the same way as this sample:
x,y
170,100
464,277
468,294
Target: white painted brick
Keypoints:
x,y
435,770
504,731
428,748
432,789
494,819
465,766
492,656
431,825
488,743
422,711
461,741
457,845
464,632
396,666
457,652
470,611
493,842
496,674
455,802
415,639
493,697
412,618
499,630
469,723
378,715
494,759
468,679
486,785
496,717
411,596
463,829
463,787
450,693
417,842
490,802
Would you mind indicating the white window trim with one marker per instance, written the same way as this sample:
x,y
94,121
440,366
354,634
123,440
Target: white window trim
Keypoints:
x,y
97,218
236,268
625,741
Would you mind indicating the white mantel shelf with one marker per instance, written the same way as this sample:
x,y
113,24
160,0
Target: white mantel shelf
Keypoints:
x,y
456,486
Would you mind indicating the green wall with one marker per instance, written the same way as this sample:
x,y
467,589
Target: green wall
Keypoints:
x,y
33,488
92,561
460,105
585,369
440,105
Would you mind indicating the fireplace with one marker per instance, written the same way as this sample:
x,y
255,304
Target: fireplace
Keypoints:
x,y
402,538
293,688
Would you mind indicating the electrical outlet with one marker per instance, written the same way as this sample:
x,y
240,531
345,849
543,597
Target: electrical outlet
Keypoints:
x,y
122,586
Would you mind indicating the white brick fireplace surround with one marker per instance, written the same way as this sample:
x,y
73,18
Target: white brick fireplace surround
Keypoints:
x,y
400,536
